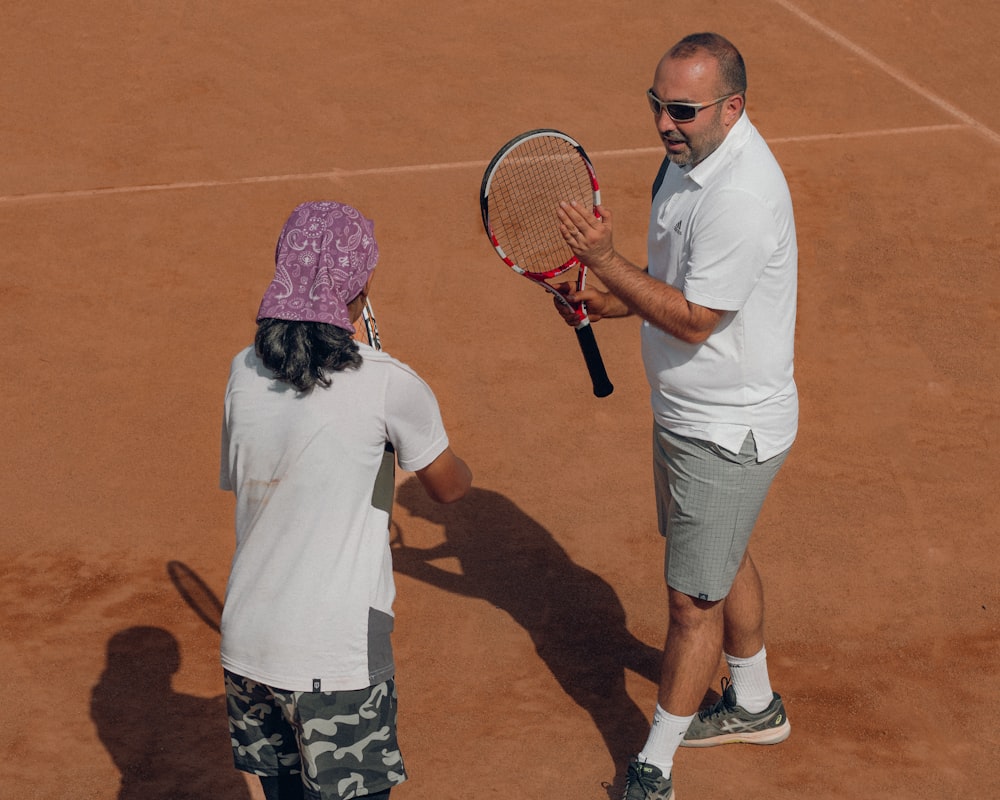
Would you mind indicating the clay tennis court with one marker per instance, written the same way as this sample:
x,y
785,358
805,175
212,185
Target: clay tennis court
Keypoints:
x,y
151,153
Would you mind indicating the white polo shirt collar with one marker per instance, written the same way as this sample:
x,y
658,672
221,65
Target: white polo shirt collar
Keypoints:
x,y
740,133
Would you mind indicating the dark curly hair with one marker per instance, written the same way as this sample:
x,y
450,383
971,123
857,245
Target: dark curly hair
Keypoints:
x,y
303,353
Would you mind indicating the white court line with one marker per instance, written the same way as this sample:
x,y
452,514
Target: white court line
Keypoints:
x,y
345,174
889,70
813,137
820,137
342,174
337,174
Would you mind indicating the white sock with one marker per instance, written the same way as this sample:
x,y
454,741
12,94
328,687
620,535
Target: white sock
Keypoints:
x,y
665,737
750,681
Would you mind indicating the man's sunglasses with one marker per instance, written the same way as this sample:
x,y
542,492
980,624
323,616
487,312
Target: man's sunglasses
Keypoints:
x,y
680,112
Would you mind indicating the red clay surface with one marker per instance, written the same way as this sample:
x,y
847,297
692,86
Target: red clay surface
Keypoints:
x,y
151,154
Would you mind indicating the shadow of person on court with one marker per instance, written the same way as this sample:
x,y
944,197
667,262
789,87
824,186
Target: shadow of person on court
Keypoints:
x,y
167,746
574,618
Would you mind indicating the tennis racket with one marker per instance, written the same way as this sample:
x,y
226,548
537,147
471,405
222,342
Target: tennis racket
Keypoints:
x,y
522,186
370,326
385,481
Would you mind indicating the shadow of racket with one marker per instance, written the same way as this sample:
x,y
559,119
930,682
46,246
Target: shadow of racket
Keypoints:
x,y
196,593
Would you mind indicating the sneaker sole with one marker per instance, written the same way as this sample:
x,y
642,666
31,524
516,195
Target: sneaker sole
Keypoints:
x,y
770,736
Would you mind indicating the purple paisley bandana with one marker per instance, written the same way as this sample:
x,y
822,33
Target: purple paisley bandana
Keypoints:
x,y
325,254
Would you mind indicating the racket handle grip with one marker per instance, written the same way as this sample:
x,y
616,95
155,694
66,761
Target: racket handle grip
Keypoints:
x,y
595,364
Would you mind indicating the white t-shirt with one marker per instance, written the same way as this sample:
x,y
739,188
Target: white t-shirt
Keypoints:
x,y
723,233
309,599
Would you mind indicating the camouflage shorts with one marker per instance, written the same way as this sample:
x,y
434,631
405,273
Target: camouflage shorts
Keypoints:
x,y
343,743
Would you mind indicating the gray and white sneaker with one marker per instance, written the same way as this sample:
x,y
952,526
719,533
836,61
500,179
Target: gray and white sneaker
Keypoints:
x,y
646,782
726,722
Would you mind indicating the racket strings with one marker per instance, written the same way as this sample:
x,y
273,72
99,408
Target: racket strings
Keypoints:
x,y
526,188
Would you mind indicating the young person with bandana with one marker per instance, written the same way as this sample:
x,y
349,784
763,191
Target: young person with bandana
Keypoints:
x,y
306,650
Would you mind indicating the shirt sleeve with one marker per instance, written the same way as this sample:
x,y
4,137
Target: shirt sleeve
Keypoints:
x,y
413,420
735,237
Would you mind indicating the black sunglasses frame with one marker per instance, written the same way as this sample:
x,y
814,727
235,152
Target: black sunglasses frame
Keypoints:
x,y
658,106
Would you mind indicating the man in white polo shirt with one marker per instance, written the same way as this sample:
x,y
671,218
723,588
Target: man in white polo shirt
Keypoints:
x,y
717,303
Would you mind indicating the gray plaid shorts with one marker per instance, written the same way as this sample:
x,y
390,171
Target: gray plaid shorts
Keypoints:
x,y
707,502
342,743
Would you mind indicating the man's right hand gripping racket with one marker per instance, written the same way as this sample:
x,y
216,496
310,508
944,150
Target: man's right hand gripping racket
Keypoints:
x,y
522,187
